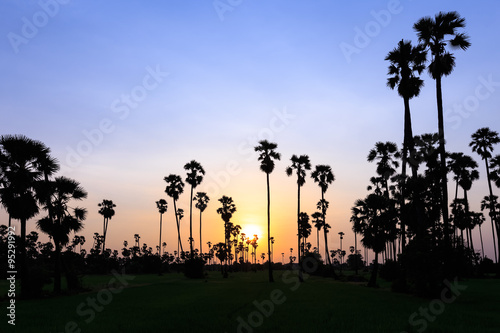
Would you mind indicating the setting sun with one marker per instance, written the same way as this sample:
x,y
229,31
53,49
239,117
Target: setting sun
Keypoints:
x,y
252,229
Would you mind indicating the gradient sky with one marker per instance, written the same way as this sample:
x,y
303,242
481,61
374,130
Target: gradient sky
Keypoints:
x,y
127,92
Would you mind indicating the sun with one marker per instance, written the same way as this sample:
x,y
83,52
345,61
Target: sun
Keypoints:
x,y
252,229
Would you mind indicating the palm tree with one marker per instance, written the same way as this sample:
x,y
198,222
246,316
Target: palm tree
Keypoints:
x,y
179,214
464,169
162,206
323,175
431,34
194,178
267,155
226,212
318,223
369,219
304,230
482,143
301,164
495,170
406,63
387,154
202,200
174,189
107,212
478,219
62,222
22,166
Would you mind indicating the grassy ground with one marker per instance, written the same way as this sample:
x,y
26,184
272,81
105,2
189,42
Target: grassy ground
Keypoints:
x,y
172,303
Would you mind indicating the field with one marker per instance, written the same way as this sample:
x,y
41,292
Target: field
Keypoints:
x,y
246,302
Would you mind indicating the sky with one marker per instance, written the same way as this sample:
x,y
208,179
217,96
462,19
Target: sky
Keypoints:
x,y
127,92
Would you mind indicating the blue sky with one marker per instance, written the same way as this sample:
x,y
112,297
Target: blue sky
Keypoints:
x,y
81,81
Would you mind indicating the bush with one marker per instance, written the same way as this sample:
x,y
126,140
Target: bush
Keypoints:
x,y
193,268
390,271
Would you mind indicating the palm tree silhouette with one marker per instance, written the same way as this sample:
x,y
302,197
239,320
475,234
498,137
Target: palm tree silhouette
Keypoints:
x,y
226,212
62,222
107,212
495,170
318,223
300,164
24,164
174,189
202,200
180,215
369,217
194,178
406,63
431,34
323,175
162,206
464,169
482,143
304,230
267,155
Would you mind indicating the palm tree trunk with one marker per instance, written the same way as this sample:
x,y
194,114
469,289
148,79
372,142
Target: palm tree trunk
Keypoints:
x,y
23,260
179,242
159,248
103,235
191,225
481,238
271,279
443,171
373,278
57,266
301,278
201,244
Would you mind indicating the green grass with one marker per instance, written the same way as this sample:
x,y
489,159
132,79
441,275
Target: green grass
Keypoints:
x,y
172,303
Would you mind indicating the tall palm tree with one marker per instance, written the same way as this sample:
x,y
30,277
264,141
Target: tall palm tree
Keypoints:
x,y
63,221
162,207
174,189
300,164
202,200
22,166
323,175
226,212
482,143
432,34
406,63
107,211
194,178
267,155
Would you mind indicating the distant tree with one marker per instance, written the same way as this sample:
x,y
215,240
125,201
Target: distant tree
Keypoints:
x,y
300,164
267,155
318,224
174,189
194,178
107,211
63,221
369,217
482,143
323,175
226,212
202,200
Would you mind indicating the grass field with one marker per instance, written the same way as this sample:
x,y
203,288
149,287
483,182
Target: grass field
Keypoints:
x,y
172,303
